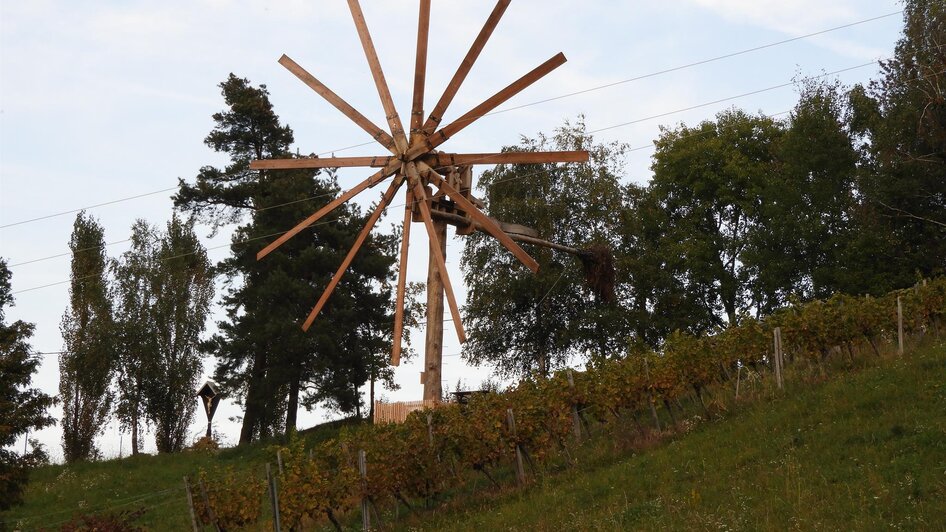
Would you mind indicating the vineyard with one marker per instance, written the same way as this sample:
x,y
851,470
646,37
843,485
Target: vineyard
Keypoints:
x,y
538,420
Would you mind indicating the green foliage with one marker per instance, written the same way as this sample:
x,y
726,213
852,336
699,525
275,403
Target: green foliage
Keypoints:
x,y
522,322
88,360
22,408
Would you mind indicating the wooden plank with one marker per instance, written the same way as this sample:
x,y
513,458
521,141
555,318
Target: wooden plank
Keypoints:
x,y
488,224
369,225
349,194
448,94
420,69
435,160
402,280
321,162
421,195
491,103
376,132
394,121
433,334
517,157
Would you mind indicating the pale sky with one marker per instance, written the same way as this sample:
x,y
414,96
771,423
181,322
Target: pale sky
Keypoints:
x,y
101,101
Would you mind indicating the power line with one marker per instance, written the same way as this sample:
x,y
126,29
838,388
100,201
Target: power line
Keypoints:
x,y
698,63
636,121
538,102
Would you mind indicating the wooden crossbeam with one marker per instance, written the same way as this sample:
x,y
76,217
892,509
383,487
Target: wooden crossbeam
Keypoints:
x,y
437,160
373,180
376,132
402,279
488,224
491,103
369,225
437,114
394,121
421,196
420,70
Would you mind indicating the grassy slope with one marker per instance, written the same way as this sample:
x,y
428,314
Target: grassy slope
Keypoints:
x,y
864,451
56,493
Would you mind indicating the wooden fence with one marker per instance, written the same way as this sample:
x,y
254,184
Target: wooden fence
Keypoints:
x,y
397,412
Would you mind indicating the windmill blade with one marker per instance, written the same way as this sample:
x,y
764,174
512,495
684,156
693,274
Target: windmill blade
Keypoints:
x,y
421,196
420,69
321,162
369,225
493,102
465,66
513,157
394,121
375,178
434,160
402,279
487,223
376,132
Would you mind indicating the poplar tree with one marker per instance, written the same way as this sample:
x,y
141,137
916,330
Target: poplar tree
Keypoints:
x,y
88,362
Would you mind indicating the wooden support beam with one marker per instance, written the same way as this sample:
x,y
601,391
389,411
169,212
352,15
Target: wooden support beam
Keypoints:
x,y
437,114
369,225
420,70
513,157
488,224
421,196
394,121
375,178
402,279
322,162
376,132
494,101
436,160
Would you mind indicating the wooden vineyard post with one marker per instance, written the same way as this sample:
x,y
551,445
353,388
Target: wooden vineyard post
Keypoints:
x,y
363,472
650,395
273,497
738,374
576,421
210,510
279,459
777,355
190,504
520,472
433,351
430,430
899,327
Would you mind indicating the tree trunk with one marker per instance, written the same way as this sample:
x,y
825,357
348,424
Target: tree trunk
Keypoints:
x,y
371,398
292,408
134,433
251,416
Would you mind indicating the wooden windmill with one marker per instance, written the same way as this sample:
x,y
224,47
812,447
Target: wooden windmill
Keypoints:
x,y
414,161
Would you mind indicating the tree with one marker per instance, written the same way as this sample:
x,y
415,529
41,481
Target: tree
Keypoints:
x,y
136,338
263,356
22,408
902,121
87,362
182,288
523,322
709,182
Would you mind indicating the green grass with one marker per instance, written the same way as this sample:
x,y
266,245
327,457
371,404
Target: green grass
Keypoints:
x,y
863,450
56,493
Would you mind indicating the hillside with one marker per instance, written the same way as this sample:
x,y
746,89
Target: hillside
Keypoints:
x,y
862,450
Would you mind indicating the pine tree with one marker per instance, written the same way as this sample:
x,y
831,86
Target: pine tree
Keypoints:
x,y
88,362
263,356
22,408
